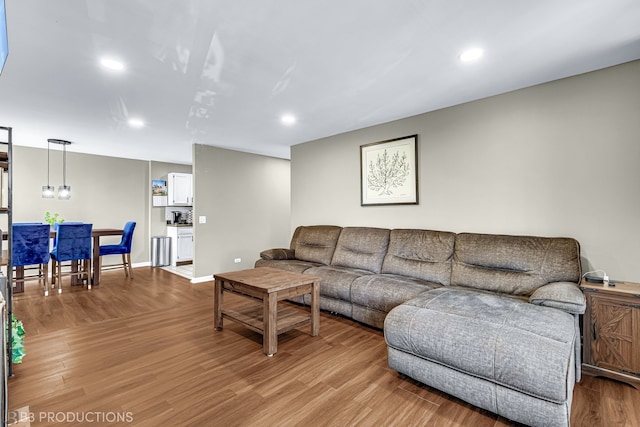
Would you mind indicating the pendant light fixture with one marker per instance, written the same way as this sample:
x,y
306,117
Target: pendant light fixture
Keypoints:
x,y
47,190
64,191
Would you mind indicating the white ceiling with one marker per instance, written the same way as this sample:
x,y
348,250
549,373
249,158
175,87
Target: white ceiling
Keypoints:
x,y
222,73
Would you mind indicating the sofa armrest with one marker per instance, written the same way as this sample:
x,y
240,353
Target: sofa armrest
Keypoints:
x,y
563,295
277,254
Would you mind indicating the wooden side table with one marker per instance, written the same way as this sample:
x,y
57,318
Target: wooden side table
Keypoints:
x,y
611,331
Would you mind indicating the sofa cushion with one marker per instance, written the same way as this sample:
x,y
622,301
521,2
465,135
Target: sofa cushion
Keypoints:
x,y
516,265
315,243
385,291
335,281
362,248
423,254
294,265
502,339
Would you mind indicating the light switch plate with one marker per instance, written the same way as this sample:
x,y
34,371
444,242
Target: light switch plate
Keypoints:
x,y
202,219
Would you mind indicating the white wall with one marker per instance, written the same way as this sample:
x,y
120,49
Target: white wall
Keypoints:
x,y
246,201
558,159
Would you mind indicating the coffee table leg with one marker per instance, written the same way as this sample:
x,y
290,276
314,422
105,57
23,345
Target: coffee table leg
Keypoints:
x,y
315,308
270,316
217,304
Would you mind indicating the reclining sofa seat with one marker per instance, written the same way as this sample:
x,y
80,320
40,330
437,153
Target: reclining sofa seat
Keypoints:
x,y
504,335
490,319
365,271
310,246
416,261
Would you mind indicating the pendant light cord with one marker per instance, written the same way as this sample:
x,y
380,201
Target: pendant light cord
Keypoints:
x,y
48,161
64,165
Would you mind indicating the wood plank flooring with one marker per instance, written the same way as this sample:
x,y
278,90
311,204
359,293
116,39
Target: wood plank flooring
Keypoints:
x,y
144,352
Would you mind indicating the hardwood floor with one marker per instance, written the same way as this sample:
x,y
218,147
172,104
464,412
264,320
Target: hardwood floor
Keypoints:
x,y
144,352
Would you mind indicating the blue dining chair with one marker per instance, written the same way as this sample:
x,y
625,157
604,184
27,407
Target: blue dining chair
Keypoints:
x,y
123,248
72,243
30,250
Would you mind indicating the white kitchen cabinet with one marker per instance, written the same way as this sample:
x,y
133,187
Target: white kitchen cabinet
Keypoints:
x,y
180,189
181,244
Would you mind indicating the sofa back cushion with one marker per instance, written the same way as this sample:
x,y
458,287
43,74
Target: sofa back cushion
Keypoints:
x,y
516,265
361,247
423,254
315,243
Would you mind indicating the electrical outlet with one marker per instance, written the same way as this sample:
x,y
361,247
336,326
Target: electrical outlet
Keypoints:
x,y
237,260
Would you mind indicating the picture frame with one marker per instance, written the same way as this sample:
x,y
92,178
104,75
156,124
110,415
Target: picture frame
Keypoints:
x,y
389,172
159,192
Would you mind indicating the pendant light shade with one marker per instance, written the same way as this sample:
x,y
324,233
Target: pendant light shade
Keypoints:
x,y
47,191
64,192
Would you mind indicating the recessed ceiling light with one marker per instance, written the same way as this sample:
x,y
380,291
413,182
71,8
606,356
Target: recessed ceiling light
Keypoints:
x,y
288,119
112,64
471,55
136,123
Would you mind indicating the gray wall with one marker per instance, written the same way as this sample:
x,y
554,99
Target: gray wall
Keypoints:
x,y
558,159
106,191
246,200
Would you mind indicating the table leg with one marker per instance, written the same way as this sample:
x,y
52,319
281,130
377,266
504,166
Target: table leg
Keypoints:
x,y
315,308
270,318
96,260
19,283
75,279
217,304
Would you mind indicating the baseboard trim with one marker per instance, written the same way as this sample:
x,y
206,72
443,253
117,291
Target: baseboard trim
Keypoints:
x,y
202,279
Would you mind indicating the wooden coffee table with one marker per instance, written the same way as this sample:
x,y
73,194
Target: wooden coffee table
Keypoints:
x,y
264,287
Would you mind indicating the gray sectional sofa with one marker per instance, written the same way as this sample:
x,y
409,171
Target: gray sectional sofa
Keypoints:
x,y
490,319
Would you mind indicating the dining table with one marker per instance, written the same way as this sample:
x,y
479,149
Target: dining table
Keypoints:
x,y
96,234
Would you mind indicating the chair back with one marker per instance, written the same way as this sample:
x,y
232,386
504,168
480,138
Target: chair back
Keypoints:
x,y
30,244
55,228
73,242
127,235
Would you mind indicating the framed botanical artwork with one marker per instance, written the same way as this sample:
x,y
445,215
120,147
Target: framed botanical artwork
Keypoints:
x,y
389,172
